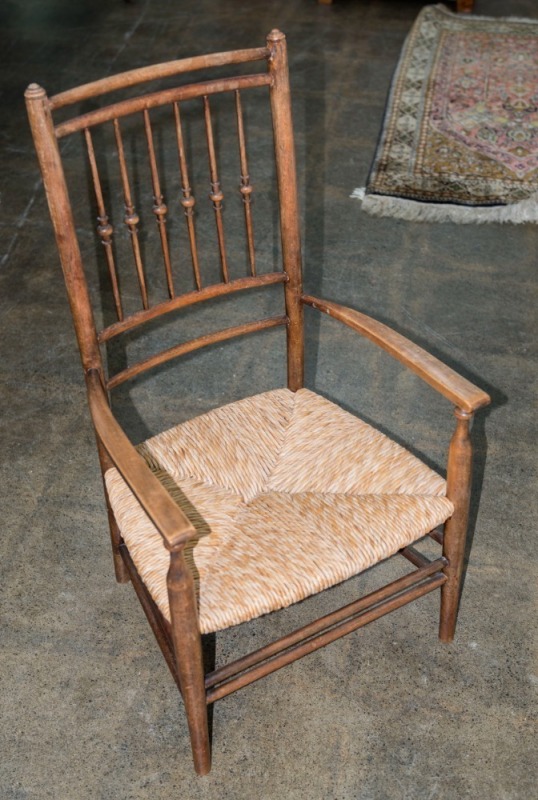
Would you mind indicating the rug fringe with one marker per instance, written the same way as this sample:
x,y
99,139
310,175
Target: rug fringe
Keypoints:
x,y
413,211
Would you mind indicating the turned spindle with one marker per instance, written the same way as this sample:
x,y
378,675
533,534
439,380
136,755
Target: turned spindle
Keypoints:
x,y
245,187
216,195
160,208
187,200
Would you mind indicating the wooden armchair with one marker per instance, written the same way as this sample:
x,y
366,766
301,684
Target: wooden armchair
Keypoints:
x,y
263,502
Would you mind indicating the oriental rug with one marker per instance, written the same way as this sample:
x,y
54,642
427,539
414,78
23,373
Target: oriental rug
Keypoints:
x,y
460,136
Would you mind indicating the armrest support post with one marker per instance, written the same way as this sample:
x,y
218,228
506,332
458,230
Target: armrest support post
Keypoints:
x,y
188,654
460,458
467,398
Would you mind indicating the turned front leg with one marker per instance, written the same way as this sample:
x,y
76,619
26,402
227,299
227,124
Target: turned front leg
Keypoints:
x,y
460,457
188,654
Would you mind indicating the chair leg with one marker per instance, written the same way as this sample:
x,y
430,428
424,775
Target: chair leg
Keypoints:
x,y
197,720
120,570
459,491
189,660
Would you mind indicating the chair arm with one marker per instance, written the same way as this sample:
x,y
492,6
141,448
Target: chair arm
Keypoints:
x,y
175,528
442,378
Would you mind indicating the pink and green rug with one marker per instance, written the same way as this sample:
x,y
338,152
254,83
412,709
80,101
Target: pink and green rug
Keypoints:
x,y
460,136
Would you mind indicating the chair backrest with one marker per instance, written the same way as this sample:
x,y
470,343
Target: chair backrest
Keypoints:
x,y
137,111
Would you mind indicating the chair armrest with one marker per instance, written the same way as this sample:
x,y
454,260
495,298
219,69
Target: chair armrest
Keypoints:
x,y
443,379
175,528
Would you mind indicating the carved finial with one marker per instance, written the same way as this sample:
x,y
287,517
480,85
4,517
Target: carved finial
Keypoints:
x,y
275,36
35,90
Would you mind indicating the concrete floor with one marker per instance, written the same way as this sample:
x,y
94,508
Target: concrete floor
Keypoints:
x,y
89,710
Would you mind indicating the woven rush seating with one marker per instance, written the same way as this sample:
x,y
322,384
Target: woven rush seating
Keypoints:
x,y
292,496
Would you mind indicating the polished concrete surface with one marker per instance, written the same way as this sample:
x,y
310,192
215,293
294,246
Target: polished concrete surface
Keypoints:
x,y
89,710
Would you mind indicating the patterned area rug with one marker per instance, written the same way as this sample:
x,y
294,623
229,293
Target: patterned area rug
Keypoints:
x,y
460,135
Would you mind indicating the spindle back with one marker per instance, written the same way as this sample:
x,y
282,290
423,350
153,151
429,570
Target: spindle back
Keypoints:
x,y
139,109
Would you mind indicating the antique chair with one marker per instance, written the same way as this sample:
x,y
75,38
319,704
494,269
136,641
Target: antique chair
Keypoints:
x,y
268,500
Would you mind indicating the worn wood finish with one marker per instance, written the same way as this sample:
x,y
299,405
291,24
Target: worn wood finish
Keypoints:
x,y
187,200
133,77
326,637
289,205
440,377
131,218
159,206
164,97
188,656
180,639
189,299
174,527
245,187
437,536
414,556
159,626
194,344
216,195
104,229
324,623
64,226
116,540
460,457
